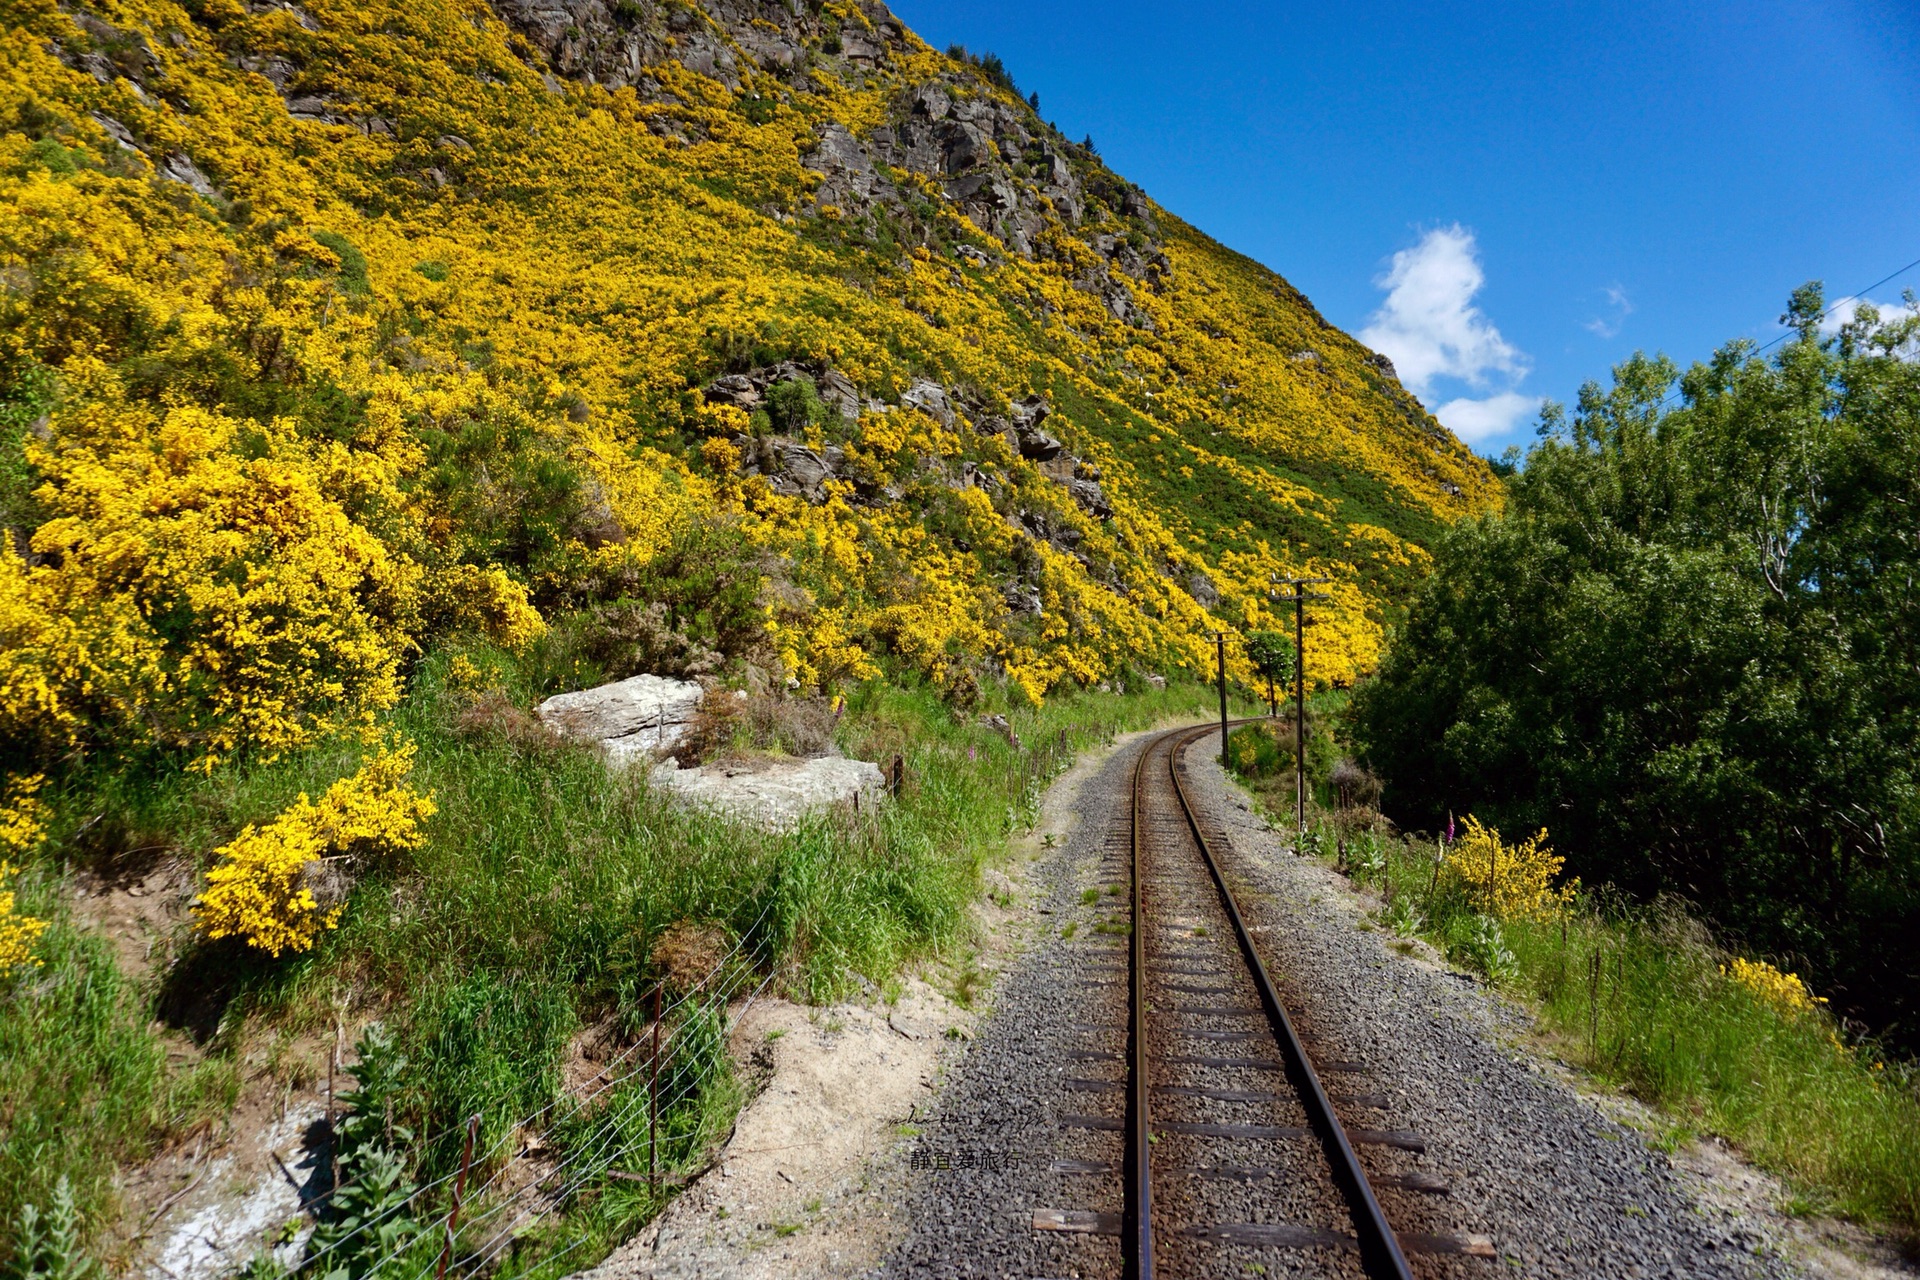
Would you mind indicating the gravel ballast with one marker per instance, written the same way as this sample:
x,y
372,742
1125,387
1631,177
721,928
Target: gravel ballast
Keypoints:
x,y
1561,1188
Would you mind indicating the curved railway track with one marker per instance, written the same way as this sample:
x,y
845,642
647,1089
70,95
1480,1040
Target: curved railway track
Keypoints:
x,y
1232,1146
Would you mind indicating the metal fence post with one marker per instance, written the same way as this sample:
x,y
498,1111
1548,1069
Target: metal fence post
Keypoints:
x,y
459,1190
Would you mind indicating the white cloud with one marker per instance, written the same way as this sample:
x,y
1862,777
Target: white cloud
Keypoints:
x,y
1428,325
1496,415
1841,312
1622,306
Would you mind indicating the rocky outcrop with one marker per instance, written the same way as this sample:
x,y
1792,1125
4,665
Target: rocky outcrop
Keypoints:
x,y
774,792
1089,497
792,467
615,43
749,390
627,718
991,155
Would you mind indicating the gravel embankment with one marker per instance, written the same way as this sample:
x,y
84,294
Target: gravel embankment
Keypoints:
x,y
1561,1189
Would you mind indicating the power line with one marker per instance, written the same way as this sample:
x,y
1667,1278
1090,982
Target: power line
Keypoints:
x,y
1856,298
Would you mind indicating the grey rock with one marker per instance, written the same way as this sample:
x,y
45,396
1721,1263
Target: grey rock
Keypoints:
x,y
278,71
1023,597
1037,445
930,398
848,170
1033,443
858,46
774,793
1088,496
121,135
807,468
931,101
837,392
639,715
1032,411
178,168
312,108
736,389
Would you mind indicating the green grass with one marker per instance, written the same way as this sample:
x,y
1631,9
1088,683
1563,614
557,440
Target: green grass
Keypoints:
x,y
84,1082
531,912
1636,996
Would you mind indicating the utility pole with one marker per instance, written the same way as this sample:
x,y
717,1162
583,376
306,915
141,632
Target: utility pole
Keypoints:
x,y
1299,597
1220,640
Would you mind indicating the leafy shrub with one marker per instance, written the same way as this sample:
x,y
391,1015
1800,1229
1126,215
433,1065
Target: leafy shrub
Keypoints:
x,y
353,263
367,1218
1252,752
794,404
1484,945
774,722
22,827
1353,785
1271,653
222,598
689,610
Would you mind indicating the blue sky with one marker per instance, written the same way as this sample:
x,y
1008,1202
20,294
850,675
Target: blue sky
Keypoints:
x,y
1508,199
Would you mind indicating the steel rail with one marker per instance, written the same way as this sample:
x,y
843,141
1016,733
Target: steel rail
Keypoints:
x,y
1137,1225
1380,1254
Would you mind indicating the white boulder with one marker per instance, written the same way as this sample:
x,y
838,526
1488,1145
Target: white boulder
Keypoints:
x,y
774,792
628,718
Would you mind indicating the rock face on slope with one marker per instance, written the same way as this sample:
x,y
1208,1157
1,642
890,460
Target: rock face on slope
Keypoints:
x,y
793,467
994,160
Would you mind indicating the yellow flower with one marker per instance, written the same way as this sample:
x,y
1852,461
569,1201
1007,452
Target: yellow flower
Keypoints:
x,y
17,931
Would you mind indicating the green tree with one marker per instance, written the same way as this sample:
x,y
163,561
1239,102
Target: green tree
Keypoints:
x,y
1271,653
1688,646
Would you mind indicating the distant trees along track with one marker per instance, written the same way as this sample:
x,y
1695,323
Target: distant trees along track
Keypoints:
x,y
1228,1146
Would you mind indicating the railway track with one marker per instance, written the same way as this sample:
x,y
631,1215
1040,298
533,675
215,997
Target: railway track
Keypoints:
x,y
1222,1134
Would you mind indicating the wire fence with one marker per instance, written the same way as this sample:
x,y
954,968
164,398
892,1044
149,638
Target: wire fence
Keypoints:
x,y
502,1209
712,986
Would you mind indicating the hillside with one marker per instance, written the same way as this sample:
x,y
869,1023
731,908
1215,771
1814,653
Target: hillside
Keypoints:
x,y
457,286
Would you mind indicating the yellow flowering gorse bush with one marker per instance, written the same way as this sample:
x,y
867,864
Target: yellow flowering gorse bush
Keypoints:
x,y
1784,992
259,889
22,826
1503,880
